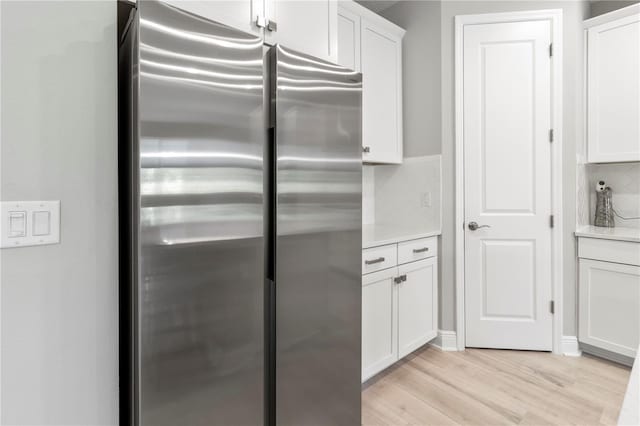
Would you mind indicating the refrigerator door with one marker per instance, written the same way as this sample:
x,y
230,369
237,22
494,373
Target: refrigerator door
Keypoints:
x,y
316,111
201,248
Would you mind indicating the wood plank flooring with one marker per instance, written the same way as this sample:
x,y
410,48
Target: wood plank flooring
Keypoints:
x,y
495,387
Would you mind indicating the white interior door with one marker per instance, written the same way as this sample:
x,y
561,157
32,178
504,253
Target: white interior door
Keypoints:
x,y
507,167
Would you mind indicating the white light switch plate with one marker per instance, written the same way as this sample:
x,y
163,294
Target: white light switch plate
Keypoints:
x,y
41,223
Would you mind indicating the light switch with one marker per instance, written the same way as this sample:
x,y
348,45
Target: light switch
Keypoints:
x,y
29,223
17,224
41,223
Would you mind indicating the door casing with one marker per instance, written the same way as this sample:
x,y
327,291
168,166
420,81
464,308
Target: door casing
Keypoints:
x,y
554,16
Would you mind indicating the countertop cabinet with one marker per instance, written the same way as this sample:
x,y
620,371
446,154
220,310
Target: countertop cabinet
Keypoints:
x,y
372,45
613,86
379,321
309,26
417,296
399,301
609,295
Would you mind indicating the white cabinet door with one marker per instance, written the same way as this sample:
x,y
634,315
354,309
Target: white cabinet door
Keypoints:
x,y
379,321
609,309
417,305
348,39
309,26
239,14
381,65
613,90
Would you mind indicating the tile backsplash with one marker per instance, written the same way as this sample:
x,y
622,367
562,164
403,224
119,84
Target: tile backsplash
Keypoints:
x,y
368,195
409,193
624,180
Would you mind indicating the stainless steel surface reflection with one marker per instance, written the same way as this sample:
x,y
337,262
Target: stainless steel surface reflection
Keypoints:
x,y
318,243
200,285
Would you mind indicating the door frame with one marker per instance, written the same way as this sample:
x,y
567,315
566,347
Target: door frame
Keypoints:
x,y
554,16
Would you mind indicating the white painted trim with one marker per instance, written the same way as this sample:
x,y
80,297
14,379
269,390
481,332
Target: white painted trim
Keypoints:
x,y
0,254
634,9
372,17
446,341
555,18
570,346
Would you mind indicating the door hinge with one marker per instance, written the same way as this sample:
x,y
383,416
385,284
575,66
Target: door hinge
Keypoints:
x,y
551,221
550,49
552,307
550,135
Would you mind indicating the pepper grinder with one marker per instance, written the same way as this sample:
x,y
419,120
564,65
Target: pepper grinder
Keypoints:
x,y
604,207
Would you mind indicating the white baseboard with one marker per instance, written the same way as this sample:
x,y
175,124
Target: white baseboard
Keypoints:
x,y
446,341
570,346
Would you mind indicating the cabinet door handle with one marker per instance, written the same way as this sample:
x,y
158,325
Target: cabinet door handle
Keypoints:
x,y
366,149
400,279
421,250
374,261
272,25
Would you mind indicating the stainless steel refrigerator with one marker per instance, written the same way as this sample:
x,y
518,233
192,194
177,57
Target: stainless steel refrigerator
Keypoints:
x,y
240,207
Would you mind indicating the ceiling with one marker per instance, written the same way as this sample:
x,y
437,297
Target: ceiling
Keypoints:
x,y
377,5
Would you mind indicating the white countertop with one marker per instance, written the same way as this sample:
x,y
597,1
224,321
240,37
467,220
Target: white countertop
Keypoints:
x,y
618,233
630,412
378,234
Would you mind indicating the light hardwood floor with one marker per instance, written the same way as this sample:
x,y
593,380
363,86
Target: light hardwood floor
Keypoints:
x,y
495,387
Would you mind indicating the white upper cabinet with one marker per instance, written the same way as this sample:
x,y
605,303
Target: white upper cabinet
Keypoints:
x,y
372,45
613,86
309,26
239,14
348,39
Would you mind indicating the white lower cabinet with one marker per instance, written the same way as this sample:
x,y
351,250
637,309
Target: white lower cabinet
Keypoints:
x,y
379,321
417,296
610,306
399,306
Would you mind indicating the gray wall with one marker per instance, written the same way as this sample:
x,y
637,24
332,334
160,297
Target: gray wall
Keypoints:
x,y
421,134
420,74
604,6
59,303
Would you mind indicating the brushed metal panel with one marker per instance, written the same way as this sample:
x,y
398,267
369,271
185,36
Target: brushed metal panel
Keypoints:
x,y
201,252
318,240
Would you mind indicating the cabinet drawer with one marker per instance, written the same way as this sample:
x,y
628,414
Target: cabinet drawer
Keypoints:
x,y
410,251
378,258
609,250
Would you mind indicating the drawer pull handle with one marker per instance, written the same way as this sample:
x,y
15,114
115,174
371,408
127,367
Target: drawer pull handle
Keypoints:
x,y
421,250
374,261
